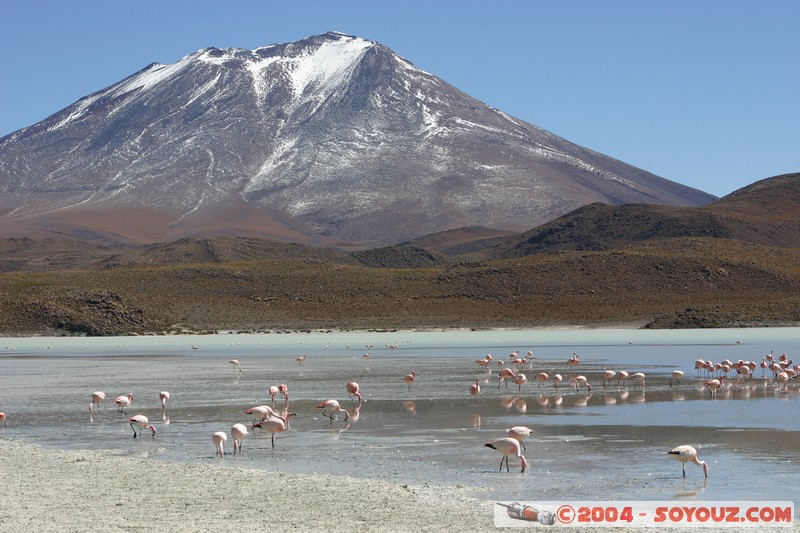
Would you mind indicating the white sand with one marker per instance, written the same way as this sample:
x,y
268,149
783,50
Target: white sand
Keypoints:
x,y
92,491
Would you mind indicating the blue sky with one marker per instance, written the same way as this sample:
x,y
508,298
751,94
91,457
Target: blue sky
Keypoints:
x,y
704,93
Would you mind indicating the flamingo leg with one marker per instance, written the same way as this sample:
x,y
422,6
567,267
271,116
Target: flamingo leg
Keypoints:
x,y
134,431
523,446
684,470
273,440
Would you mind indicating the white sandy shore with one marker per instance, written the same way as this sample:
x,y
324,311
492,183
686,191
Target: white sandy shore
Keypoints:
x,y
92,491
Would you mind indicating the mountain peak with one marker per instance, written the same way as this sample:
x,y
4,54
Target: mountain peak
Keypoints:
x,y
332,138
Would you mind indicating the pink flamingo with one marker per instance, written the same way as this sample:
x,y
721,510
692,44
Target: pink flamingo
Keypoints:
x,y
272,392
557,378
677,375
542,377
608,375
581,381
283,390
98,398
238,432
142,422
236,365
276,424
713,385
520,380
123,402
505,373
410,378
575,360
164,397
475,388
639,378
332,406
352,390
508,446
622,375
3,420
686,454
520,433
219,438
261,412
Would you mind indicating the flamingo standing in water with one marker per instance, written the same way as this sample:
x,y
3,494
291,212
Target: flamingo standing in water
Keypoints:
x,y
352,390
677,375
277,424
542,377
556,380
687,454
142,422
98,398
3,420
123,401
712,385
475,389
622,375
608,375
219,438
283,390
581,381
236,365
520,433
508,446
410,378
332,406
164,397
505,373
238,432
272,392
575,360
520,380
638,377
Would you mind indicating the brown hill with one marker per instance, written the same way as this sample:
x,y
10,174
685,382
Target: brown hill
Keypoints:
x,y
767,212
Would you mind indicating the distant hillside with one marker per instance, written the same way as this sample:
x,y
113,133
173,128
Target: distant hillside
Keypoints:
x,y
767,213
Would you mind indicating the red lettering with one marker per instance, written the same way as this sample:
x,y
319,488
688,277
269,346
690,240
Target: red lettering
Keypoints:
x,y
676,514
732,514
627,514
703,514
718,514
661,514
783,514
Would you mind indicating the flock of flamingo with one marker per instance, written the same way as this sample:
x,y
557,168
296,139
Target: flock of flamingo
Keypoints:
x,y
713,377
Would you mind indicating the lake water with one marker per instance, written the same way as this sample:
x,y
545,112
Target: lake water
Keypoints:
x,y
607,444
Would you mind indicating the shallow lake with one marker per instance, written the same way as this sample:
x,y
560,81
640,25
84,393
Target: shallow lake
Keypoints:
x,y
609,443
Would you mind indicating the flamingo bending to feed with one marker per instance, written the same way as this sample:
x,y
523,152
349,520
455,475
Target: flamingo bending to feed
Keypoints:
x,y
686,454
238,431
520,380
712,385
608,375
638,377
541,377
332,406
219,438
556,380
622,375
506,373
261,412
123,402
276,424
164,397
283,390
352,390
236,365
520,433
677,375
98,398
508,446
142,422
272,392
581,381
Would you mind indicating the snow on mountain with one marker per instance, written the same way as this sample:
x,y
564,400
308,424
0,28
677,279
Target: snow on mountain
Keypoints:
x,y
332,138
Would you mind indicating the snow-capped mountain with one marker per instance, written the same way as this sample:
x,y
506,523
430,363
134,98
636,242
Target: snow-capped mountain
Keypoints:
x,y
329,139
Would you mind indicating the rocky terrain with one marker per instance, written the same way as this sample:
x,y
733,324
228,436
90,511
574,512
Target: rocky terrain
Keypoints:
x,y
734,263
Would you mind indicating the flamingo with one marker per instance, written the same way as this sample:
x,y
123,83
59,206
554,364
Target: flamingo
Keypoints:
x,y
283,390
622,375
542,377
713,385
142,422
410,378
219,438
276,424
164,397
236,365
677,375
261,412
639,378
300,360
520,380
332,406
581,381
352,390
238,432
608,375
475,389
98,398
575,360
3,420
686,454
505,373
272,392
556,380
508,446
520,433
123,402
